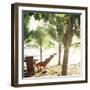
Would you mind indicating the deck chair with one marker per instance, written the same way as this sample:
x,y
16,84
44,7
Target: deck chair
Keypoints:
x,y
43,64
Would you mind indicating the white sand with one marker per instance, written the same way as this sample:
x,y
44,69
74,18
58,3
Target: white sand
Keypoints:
x,y
56,70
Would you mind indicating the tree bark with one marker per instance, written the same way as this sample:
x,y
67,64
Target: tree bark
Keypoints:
x,y
67,41
40,53
59,54
65,61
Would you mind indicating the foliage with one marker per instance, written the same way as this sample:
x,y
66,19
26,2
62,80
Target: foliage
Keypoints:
x,y
57,27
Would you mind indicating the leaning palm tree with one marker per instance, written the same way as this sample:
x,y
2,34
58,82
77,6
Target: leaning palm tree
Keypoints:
x,y
35,38
40,39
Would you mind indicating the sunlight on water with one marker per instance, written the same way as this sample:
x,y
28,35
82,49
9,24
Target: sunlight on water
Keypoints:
x,y
74,55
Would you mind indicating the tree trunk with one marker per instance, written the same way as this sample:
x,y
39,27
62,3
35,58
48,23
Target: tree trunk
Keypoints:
x,y
67,42
65,61
59,54
40,53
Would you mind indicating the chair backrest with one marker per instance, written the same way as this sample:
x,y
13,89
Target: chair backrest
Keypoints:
x,y
29,62
52,55
48,59
30,66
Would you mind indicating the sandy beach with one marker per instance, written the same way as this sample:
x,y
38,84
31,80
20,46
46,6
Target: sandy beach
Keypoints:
x,y
73,69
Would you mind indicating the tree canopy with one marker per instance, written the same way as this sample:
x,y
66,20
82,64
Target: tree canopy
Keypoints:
x,y
57,27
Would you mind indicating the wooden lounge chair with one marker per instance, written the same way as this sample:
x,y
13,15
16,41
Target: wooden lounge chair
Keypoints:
x,y
43,64
30,66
